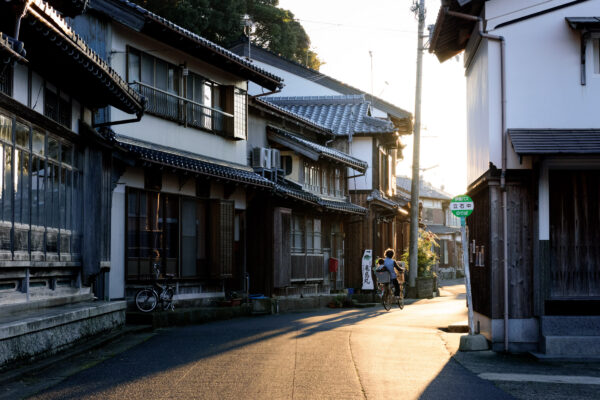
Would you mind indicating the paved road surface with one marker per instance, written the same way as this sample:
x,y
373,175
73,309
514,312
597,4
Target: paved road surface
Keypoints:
x,y
326,354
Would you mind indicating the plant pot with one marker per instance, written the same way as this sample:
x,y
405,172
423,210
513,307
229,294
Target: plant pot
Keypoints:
x,y
425,288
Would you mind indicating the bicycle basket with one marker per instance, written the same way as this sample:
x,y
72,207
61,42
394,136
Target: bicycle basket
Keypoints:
x,y
383,276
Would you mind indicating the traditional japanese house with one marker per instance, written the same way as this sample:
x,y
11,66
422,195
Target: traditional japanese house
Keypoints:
x,y
55,180
533,131
364,137
181,174
299,240
367,128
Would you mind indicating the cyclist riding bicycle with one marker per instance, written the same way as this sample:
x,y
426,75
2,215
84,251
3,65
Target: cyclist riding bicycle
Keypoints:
x,y
388,264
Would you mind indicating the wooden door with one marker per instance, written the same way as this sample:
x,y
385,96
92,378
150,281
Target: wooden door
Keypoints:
x,y
575,234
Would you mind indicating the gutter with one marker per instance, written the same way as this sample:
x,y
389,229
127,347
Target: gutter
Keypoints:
x,y
502,41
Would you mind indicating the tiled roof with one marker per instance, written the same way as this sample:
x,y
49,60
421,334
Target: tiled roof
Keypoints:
x,y
230,59
50,31
191,162
8,51
555,141
343,206
257,101
322,151
285,188
344,115
425,189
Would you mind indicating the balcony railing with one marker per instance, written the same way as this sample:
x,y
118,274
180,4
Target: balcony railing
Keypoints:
x,y
185,111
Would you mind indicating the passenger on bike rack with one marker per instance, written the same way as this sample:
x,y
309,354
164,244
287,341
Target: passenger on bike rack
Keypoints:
x,y
388,264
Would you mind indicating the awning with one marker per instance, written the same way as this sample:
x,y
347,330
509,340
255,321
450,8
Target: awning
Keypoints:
x,y
343,206
555,141
313,150
293,190
190,162
64,58
584,23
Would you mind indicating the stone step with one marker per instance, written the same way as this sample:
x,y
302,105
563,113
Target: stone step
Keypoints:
x,y
570,325
572,346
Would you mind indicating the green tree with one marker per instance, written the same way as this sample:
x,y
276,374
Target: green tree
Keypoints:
x,y
426,256
220,21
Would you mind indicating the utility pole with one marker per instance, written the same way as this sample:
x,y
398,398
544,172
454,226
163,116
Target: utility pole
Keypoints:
x,y
414,188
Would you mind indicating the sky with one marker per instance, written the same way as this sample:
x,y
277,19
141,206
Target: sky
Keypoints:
x,y
372,45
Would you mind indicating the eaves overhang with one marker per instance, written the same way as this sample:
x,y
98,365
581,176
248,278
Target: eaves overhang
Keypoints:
x,y
555,141
312,150
61,56
451,34
187,162
161,29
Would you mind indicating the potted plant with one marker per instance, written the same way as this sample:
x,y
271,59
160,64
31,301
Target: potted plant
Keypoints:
x,y
426,259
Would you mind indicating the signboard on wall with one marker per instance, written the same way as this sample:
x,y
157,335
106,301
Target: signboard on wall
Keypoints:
x,y
367,275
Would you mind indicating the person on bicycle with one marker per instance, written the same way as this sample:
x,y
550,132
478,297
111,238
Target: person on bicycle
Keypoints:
x,y
389,263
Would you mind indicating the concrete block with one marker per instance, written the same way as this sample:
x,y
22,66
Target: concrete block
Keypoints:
x,y
473,343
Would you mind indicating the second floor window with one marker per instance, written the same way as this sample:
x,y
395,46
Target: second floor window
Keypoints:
x,y
187,97
57,105
325,180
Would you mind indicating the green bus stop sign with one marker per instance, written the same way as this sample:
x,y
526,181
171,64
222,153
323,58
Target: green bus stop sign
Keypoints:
x,y
461,206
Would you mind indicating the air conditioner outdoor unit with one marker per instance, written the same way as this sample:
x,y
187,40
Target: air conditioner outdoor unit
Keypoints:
x,y
261,158
275,159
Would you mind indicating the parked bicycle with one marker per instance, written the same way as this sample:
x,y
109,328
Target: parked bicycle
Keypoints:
x,y
147,299
386,292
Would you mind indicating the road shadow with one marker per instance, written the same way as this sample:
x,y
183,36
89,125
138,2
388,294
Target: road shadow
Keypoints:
x,y
456,382
175,347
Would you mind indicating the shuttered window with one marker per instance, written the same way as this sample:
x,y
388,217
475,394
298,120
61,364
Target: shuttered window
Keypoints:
x,y
221,224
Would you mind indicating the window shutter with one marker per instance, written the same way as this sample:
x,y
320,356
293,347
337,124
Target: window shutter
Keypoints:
x,y
221,238
282,259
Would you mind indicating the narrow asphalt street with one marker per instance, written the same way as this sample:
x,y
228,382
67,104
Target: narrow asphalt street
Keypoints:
x,y
343,354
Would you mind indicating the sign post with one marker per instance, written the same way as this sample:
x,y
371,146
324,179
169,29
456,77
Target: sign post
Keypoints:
x,y
462,206
367,274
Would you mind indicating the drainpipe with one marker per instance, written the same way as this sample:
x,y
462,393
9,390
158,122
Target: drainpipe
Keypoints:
x,y
502,41
266,94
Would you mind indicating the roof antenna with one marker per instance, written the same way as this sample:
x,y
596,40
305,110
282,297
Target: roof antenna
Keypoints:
x,y
371,55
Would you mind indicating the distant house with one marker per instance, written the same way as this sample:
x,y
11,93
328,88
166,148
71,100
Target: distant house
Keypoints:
x,y
366,128
299,232
533,86
436,218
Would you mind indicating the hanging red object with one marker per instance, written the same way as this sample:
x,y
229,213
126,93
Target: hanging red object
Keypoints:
x,y
333,264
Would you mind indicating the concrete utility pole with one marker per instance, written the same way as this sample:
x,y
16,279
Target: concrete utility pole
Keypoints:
x,y
414,188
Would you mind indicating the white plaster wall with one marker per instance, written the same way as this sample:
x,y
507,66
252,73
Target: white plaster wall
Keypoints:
x,y
160,131
116,276
543,73
361,148
20,83
543,89
478,147
500,11
294,84
257,133
298,86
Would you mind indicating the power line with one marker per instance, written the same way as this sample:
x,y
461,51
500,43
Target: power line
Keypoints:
x,y
371,28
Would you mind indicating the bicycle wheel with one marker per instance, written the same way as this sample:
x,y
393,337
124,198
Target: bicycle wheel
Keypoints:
x,y
386,299
167,299
401,301
146,300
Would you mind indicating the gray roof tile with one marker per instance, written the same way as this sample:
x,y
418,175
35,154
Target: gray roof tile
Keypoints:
x,y
344,115
425,189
